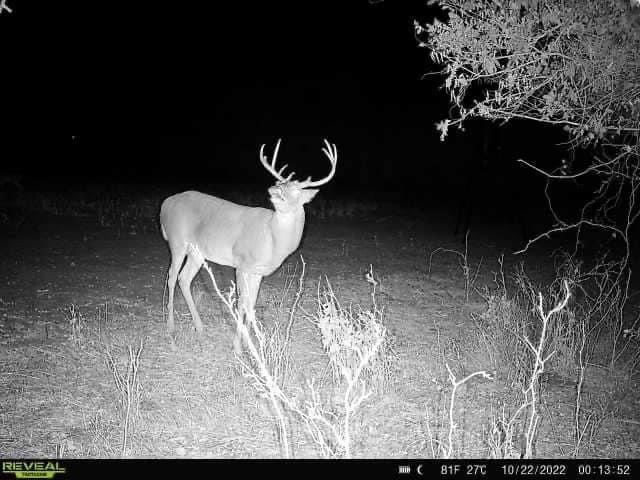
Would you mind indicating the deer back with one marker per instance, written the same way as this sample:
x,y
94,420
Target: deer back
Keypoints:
x,y
253,239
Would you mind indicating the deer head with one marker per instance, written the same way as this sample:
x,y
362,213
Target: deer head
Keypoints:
x,y
288,195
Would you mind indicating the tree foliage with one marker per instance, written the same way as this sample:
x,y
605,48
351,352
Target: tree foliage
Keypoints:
x,y
571,63
574,63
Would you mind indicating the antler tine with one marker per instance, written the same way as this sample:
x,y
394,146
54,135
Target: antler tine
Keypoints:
x,y
271,168
282,169
331,151
275,154
290,175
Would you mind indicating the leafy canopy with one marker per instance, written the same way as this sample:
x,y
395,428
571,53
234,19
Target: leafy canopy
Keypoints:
x,y
574,63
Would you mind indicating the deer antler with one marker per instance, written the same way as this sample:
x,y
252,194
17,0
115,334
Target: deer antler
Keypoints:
x,y
331,152
271,168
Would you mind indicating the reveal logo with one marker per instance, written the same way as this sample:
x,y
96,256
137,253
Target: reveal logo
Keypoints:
x,y
32,469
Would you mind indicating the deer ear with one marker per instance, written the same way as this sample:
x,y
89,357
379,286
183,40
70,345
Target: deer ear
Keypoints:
x,y
308,194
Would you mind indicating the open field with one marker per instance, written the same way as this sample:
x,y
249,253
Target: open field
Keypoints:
x,y
76,291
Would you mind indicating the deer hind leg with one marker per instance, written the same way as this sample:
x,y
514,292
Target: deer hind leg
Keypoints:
x,y
248,285
191,268
177,258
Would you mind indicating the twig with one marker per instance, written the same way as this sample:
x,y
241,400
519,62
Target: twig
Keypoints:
x,y
4,6
456,384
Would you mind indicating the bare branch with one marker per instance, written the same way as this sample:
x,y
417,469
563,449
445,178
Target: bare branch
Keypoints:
x,y
4,6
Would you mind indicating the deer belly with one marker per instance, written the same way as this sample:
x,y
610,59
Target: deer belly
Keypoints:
x,y
219,253
256,261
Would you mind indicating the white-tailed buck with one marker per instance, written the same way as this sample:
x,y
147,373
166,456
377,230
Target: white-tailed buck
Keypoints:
x,y
255,241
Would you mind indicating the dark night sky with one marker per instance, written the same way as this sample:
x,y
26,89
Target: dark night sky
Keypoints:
x,y
191,89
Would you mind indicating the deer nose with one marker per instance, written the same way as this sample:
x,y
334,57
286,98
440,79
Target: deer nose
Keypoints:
x,y
276,191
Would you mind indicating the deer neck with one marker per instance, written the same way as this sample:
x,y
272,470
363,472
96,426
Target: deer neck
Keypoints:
x,y
286,229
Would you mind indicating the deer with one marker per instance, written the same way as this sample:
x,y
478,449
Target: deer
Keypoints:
x,y
254,241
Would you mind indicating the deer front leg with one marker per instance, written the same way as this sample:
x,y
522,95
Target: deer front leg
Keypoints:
x,y
248,285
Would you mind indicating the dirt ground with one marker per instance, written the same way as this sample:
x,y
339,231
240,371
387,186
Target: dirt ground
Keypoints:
x,y
59,398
